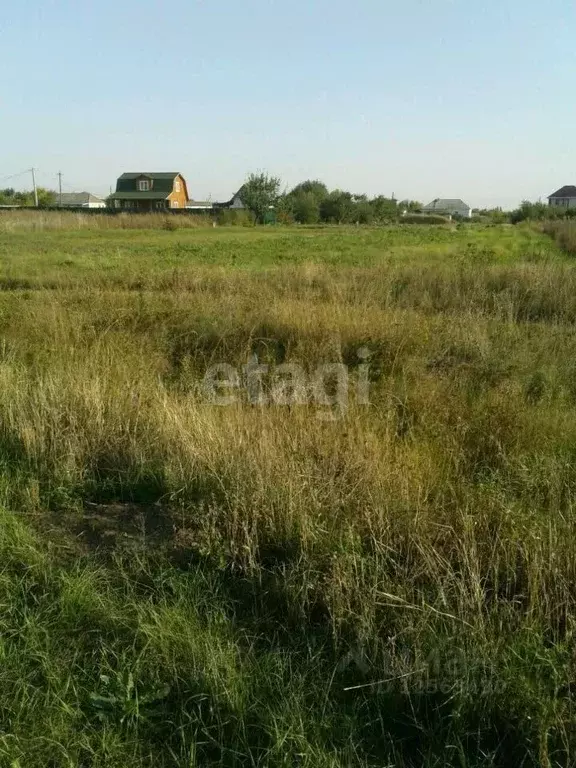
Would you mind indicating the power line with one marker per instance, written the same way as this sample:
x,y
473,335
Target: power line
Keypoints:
x,y
50,176
14,175
36,172
53,176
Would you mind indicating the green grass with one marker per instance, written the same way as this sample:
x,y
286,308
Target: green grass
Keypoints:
x,y
184,584
61,257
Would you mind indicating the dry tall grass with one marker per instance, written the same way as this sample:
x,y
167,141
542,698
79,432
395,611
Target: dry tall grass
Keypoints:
x,y
564,232
48,221
400,579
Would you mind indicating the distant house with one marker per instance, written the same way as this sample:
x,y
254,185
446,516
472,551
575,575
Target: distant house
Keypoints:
x,y
448,207
79,200
199,205
235,203
143,191
565,197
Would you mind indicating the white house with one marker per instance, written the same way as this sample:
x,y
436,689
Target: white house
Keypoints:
x,y
80,200
563,198
448,207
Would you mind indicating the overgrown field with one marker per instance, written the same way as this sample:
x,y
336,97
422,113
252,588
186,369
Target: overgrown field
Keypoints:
x,y
381,580
564,232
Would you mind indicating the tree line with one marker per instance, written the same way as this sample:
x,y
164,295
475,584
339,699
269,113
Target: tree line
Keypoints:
x,y
10,196
540,212
311,202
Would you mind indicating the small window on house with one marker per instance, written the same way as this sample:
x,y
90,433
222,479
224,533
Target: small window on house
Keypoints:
x,y
174,203
177,186
143,185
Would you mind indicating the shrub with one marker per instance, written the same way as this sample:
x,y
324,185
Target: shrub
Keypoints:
x,y
170,224
228,217
540,212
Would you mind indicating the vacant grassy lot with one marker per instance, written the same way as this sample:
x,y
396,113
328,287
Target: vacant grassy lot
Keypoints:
x,y
187,584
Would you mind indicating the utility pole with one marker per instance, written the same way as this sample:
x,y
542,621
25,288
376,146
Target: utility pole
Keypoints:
x,y
34,187
60,189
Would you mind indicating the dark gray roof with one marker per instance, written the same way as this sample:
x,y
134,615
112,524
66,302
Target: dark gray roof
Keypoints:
x,y
161,182
78,198
150,174
229,203
568,191
445,203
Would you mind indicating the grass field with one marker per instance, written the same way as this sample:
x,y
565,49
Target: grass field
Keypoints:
x,y
382,583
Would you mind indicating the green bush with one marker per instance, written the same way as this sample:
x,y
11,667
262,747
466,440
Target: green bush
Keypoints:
x,y
228,217
540,212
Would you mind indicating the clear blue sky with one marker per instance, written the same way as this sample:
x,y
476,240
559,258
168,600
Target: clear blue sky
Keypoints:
x,y
422,98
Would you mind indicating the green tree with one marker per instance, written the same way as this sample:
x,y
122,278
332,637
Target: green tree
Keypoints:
x,y
411,206
46,197
313,187
302,203
533,212
337,207
384,208
9,196
491,215
259,193
306,208
363,212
